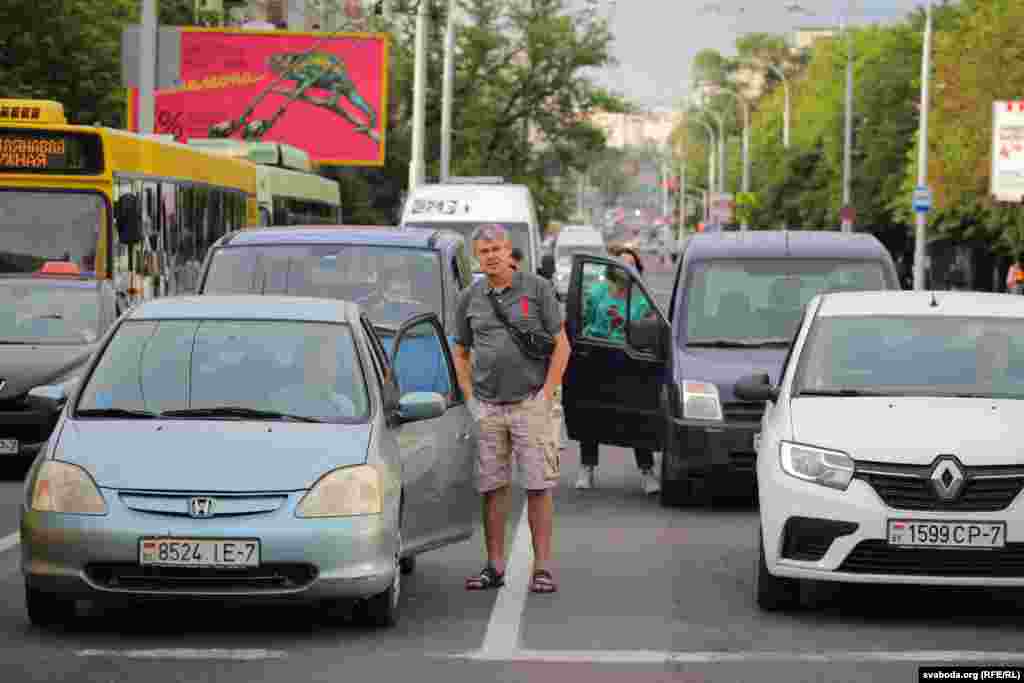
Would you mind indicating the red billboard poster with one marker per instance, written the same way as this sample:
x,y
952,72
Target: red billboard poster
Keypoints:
x,y
323,93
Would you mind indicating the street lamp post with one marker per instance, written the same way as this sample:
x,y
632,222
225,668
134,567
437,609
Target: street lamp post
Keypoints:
x,y
447,89
746,143
920,218
786,111
419,99
712,143
847,222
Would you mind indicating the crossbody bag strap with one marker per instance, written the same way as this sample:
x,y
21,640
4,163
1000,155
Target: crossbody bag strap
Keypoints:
x,y
516,332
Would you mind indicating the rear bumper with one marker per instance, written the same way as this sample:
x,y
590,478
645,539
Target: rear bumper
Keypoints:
x,y
31,426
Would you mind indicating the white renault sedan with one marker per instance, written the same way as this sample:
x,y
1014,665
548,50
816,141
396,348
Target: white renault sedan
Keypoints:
x,y
892,450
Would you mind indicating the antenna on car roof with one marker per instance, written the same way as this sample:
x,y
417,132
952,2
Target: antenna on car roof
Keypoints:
x,y
933,303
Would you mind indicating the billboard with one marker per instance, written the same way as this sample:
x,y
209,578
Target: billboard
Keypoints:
x,y
325,93
1007,181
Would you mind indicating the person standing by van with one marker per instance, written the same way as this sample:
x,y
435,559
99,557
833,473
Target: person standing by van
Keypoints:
x,y
605,318
509,385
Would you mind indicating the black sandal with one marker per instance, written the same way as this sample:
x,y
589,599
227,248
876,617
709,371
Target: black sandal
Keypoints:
x,y
486,579
543,582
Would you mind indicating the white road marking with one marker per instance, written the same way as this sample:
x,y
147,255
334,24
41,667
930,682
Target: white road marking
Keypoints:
x,y
185,653
502,635
656,657
9,541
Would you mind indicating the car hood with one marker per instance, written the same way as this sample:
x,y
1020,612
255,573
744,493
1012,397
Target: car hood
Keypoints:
x,y
725,367
26,366
210,455
913,430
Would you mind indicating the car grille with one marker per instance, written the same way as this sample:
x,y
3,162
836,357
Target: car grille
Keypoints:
x,y
907,487
745,412
134,577
878,557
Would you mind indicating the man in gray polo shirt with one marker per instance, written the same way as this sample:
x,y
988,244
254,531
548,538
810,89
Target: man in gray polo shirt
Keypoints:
x,y
512,393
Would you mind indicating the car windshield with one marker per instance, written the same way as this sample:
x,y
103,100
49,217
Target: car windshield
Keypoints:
x,y
39,227
392,284
48,311
519,234
894,356
229,367
738,300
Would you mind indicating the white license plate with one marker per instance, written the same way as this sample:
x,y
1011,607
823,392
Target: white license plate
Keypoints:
x,y
9,447
199,552
919,533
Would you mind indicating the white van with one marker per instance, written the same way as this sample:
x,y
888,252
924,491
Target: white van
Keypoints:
x,y
571,240
462,204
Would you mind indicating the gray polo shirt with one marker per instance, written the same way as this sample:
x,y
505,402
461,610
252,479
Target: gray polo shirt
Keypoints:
x,y
501,373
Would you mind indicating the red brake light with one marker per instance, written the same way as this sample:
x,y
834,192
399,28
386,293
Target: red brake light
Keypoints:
x,y
59,268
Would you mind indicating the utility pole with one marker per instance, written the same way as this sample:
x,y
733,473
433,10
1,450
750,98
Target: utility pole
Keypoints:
x,y
417,164
921,217
847,224
447,93
147,67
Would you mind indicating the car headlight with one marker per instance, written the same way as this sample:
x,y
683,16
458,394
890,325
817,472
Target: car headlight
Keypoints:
x,y
821,466
67,488
701,401
344,492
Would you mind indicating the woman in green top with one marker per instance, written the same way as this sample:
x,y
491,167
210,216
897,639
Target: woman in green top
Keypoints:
x,y
604,317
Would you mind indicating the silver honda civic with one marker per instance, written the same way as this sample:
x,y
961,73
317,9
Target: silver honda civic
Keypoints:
x,y
245,448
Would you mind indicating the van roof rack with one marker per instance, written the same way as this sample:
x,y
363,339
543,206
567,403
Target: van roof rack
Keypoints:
x,y
476,180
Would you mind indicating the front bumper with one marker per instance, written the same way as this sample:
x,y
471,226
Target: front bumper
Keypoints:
x,y
96,557
864,555
719,451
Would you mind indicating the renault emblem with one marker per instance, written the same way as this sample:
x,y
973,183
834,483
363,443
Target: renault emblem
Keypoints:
x,y
200,507
947,479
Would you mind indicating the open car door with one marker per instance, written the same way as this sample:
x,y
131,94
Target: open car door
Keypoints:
x,y
438,455
620,354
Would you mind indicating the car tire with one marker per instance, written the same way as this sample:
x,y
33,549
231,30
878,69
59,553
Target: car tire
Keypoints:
x,y
381,610
46,609
773,593
407,564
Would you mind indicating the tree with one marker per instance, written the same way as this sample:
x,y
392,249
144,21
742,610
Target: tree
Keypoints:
x,y
66,50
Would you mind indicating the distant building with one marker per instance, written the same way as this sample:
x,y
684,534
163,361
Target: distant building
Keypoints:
x,y
636,130
804,38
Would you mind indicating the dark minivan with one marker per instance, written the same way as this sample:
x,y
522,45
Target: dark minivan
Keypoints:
x,y
666,382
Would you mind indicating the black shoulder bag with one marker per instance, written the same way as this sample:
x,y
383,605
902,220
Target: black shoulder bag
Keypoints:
x,y
535,345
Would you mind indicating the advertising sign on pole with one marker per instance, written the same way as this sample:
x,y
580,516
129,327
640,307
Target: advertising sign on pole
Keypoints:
x,y
325,94
1007,180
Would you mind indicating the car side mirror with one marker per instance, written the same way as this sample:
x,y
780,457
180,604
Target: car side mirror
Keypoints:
x,y
53,394
421,405
647,334
756,387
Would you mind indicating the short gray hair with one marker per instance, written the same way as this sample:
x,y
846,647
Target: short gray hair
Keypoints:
x,y
489,232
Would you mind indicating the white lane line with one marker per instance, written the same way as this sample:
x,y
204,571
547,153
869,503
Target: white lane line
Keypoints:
x,y
184,653
9,541
656,657
502,635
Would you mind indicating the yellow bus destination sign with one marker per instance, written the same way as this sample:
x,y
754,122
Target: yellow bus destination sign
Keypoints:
x,y
42,151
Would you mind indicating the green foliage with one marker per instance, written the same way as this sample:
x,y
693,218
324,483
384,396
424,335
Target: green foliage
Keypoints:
x,y
66,50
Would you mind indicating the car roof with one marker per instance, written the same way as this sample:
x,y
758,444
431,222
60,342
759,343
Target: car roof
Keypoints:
x,y
362,235
920,303
784,244
247,307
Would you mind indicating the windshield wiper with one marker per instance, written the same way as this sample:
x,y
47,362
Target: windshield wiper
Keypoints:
x,y
739,343
48,316
843,392
237,411
115,412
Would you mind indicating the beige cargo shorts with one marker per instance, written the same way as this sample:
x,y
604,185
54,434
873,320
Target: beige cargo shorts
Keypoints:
x,y
521,431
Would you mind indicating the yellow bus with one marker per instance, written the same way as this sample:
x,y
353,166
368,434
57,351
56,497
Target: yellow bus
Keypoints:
x,y
134,212
290,190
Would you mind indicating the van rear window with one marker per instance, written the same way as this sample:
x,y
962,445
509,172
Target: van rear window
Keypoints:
x,y
518,232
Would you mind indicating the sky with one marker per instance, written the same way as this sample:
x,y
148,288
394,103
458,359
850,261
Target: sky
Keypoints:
x,y
656,40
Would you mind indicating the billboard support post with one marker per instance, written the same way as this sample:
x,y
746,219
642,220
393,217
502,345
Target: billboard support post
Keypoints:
x,y
419,98
147,67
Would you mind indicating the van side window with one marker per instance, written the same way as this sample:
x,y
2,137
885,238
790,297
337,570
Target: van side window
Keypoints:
x,y
463,267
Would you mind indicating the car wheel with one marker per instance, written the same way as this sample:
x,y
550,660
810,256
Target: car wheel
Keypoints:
x,y
773,592
382,609
407,565
46,609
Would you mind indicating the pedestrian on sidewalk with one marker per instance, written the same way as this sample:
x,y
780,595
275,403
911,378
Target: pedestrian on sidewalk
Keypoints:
x,y
604,308
512,323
